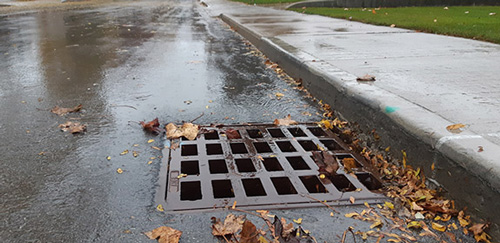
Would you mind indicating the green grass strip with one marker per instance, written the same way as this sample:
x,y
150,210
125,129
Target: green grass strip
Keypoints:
x,y
266,1
474,22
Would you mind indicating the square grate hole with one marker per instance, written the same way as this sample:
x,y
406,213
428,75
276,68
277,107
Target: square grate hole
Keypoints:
x,y
283,186
255,133
222,189
212,135
245,165
297,132
190,168
190,191
313,184
368,180
239,148
262,147
317,131
286,146
308,145
253,187
272,164
298,163
217,166
276,133
347,158
214,148
189,150
342,183
330,144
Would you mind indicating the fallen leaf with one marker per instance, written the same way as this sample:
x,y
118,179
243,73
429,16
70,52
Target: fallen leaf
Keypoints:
x,y
164,234
249,233
151,140
377,223
452,237
119,170
287,121
389,205
367,77
326,162
455,128
108,158
351,215
480,149
188,130
393,25
231,225
151,126
298,221
63,111
352,199
415,207
124,152
160,208
349,164
414,225
73,127
232,134
438,227
135,153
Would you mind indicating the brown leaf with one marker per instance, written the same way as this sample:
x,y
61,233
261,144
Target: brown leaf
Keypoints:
x,y
455,128
188,130
326,162
164,234
287,228
452,237
232,134
151,126
477,229
231,225
249,233
287,121
349,164
367,77
63,111
73,127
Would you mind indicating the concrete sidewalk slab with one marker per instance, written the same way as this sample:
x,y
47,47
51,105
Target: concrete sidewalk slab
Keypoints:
x,y
425,82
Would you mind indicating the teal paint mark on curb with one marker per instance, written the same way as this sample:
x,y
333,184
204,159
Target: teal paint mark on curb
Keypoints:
x,y
391,109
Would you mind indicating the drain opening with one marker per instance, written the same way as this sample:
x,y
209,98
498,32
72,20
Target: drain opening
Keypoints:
x,y
272,164
190,191
286,146
190,167
188,150
317,131
313,184
262,147
283,186
369,181
255,133
212,135
297,132
214,148
330,144
308,145
245,165
348,161
342,183
238,148
217,166
222,189
253,187
276,133
298,163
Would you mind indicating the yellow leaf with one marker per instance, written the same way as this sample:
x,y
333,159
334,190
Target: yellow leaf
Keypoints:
x,y
124,152
350,215
136,145
388,149
438,227
181,175
433,166
152,158
404,158
154,147
389,205
414,224
262,239
367,205
454,226
322,176
234,204
119,170
331,214
455,128
377,223
135,153
326,124
279,95
108,158
298,221
160,208
393,240
150,162
352,199
151,140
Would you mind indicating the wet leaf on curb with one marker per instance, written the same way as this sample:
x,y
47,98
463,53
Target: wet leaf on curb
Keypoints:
x,y
287,121
188,130
151,126
160,208
63,111
479,234
73,127
231,225
455,128
438,227
367,77
119,170
164,234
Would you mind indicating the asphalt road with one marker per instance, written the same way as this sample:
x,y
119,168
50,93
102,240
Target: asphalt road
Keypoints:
x,y
124,63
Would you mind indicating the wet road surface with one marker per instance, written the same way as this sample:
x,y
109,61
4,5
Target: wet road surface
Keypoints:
x,y
124,64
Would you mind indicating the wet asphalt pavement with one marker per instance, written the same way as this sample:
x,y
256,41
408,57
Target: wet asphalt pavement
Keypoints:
x,y
123,63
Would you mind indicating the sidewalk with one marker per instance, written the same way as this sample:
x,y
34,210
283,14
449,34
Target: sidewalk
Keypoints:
x,y
424,83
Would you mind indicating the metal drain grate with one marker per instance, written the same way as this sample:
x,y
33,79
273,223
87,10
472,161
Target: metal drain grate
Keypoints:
x,y
266,167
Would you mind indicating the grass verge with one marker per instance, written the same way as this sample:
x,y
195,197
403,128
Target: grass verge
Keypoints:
x,y
474,22
266,1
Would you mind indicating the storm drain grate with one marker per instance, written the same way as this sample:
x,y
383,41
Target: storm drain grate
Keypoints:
x,y
261,167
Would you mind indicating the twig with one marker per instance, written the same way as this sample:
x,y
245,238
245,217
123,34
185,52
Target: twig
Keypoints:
x,y
345,232
202,114
315,199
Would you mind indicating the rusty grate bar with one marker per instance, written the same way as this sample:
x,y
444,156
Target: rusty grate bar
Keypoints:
x,y
263,167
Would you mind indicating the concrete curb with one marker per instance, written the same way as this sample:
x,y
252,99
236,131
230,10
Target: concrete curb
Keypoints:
x,y
469,176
